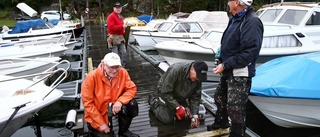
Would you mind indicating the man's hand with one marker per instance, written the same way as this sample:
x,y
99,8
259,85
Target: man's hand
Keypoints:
x,y
219,69
104,128
116,107
195,122
180,112
188,112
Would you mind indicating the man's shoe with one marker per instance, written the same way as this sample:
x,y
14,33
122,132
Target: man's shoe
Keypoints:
x,y
216,127
128,133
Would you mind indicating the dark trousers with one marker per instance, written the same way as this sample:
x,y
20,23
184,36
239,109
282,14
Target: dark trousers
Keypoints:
x,y
161,110
125,116
231,97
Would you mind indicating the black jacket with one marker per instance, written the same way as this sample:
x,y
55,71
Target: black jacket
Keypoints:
x,y
241,43
176,88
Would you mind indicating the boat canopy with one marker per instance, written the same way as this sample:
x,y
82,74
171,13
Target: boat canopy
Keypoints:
x,y
24,26
294,76
145,18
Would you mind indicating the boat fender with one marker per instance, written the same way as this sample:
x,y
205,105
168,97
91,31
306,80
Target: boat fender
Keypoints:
x,y
71,119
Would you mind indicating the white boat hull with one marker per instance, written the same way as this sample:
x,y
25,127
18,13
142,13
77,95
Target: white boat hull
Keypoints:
x,y
32,51
20,67
34,101
146,39
289,112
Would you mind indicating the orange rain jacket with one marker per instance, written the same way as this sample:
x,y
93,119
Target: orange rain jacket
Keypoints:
x,y
97,91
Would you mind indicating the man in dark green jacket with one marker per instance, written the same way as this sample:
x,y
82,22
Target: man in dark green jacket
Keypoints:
x,y
178,92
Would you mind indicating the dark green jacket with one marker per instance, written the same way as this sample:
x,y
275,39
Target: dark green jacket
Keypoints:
x,y
175,87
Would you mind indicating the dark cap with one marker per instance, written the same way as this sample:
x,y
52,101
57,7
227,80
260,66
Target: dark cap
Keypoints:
x,y
201,69
117,4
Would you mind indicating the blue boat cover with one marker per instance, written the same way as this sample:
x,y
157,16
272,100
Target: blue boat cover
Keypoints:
x,y
145,18
296,76
24,26
54,21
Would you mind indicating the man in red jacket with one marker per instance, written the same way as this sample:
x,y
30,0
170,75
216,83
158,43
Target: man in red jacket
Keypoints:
x,y
116,28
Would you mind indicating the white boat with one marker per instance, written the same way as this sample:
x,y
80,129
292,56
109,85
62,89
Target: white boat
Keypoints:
x,y
154,24
33,28
21,99
286,90
289,112
189,28
281,37
191,50
23,66
47,39
32,51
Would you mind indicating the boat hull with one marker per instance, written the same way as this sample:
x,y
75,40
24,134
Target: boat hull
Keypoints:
x,y
34,101
152,40
289,112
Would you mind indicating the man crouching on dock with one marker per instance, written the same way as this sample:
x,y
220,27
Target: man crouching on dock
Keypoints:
x,y
109,84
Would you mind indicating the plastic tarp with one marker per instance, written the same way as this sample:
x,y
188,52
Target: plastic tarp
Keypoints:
x,y
24,26
294,76
54,21
145,18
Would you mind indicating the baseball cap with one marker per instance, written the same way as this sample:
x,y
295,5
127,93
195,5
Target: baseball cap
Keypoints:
x,y
112,59
201,69
117,4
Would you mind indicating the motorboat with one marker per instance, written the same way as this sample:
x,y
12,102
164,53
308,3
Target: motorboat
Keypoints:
x,y
24,66
282,37
54,39
154,24
286,90
189,28
190,50
33,28
24,98
290,28
33,51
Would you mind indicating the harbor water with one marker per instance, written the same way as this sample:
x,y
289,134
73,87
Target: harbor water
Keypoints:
x,y
145,75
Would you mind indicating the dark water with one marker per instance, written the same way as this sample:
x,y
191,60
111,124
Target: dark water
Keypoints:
x,y
52,118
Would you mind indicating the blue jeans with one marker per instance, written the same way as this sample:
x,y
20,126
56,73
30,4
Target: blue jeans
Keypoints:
x,y
120,49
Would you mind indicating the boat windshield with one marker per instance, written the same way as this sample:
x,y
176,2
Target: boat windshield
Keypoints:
x,y
290,16
270,15
214,36
192,27
293,17
164,26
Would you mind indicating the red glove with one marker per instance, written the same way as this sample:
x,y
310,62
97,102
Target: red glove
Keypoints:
x,y
180,112
195,122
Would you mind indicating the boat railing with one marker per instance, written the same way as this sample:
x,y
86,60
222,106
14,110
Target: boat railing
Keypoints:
x,y
64,39
53,67
46,74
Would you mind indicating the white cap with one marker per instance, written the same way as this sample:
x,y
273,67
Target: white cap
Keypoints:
x,y
112,59
247,2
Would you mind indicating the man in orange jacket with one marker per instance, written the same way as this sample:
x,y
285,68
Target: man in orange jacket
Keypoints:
x,y
109,83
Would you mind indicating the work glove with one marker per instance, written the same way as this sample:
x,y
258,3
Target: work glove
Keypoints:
x,y
195,122
180,112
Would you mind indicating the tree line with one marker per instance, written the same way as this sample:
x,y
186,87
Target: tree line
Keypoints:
x,y
133,7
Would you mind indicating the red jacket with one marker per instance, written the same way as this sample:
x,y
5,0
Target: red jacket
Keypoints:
x,y
115,24
97,91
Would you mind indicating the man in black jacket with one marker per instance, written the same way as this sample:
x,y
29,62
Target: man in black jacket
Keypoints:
x,y
178,93
240,46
